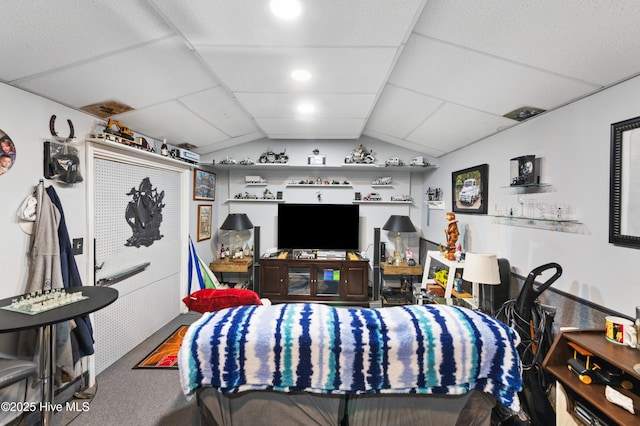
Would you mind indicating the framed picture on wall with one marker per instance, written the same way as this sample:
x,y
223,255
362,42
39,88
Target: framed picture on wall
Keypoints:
x,y
624,192
204,185
204,221
470,190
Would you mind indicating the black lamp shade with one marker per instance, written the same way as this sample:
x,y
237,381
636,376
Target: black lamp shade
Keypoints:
x,y
397,223
237,222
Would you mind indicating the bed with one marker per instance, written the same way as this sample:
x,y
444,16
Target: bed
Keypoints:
x,y
317,364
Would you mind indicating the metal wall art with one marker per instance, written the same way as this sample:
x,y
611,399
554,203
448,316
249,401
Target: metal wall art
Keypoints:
x,y
144,214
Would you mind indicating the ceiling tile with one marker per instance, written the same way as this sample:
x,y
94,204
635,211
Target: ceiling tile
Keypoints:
x,y
171,120
144,76
404,143
399,111
453,127
334,70
479,81
591,41
283,105
44,35
218,108
322,23
327,128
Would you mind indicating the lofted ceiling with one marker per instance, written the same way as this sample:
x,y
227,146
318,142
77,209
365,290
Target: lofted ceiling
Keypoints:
x,y
427,75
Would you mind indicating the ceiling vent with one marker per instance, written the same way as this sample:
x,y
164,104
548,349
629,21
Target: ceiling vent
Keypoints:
x,y
187,146
523,113
106,109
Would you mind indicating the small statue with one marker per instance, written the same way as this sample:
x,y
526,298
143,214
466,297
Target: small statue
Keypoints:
x,y
452,234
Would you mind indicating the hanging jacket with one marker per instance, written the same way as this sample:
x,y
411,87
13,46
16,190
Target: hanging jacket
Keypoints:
x,y
45,273
83,332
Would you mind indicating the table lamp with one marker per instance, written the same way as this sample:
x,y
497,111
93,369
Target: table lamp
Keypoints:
x,y
480,268
398,223
237,222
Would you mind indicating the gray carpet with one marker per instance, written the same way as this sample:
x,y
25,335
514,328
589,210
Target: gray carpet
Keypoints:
x,y
144,397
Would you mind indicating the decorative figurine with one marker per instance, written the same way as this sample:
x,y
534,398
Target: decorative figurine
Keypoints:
x,y
452,236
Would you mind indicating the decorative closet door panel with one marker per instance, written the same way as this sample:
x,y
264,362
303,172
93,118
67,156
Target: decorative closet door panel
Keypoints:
x,y
137,233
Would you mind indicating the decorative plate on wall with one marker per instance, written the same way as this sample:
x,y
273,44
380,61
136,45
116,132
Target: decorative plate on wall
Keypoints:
x,y
7,153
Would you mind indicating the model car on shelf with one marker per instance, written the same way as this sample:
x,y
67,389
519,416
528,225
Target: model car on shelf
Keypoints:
x,y
140,143
254,179
382,181
374,196
185,155
245,196
401,198
247,162
360,156
419,161
394,161
271,157
228,160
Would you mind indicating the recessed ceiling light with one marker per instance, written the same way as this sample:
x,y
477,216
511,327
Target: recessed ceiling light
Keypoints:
x,y
306,108
285,9
300,75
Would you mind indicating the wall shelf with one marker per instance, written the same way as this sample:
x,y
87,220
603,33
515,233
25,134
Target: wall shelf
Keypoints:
x,y
559,225
276,166
140,153
253,200
381,202
319,185
435,205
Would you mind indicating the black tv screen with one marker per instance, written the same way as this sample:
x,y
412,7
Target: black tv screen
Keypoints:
x,y
319,226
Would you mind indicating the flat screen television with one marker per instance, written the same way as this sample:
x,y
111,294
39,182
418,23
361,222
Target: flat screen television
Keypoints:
x,y
319,226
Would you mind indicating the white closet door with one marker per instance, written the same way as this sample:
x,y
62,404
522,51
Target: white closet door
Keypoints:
x,y
148,299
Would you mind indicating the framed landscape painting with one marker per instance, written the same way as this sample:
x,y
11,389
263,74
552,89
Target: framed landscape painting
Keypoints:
x,y
470,190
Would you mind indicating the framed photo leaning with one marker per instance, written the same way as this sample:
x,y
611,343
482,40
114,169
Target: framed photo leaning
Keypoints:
x,y
470,190
204,185
204,221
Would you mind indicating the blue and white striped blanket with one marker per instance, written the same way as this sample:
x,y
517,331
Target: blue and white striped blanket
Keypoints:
x,y
430,349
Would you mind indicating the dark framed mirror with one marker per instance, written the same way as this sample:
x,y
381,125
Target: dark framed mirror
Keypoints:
x,y
624,193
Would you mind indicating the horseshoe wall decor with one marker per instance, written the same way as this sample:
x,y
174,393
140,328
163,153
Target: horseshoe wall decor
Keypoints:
x,y
52,128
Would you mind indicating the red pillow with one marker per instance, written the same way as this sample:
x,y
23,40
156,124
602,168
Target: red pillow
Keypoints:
x,y
211,299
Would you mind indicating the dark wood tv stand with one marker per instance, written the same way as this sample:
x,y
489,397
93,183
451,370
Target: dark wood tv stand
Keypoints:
x,y
284,279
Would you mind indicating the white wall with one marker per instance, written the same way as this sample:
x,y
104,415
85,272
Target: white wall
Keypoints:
x,y
25,118
574,143
231,181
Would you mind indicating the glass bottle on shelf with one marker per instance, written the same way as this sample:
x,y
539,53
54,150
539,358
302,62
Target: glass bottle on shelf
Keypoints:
x,y
164,149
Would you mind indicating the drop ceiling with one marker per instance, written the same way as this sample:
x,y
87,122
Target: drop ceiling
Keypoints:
x,y
427,75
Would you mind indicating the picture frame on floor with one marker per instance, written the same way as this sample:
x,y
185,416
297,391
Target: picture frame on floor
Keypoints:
x,y
470,190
